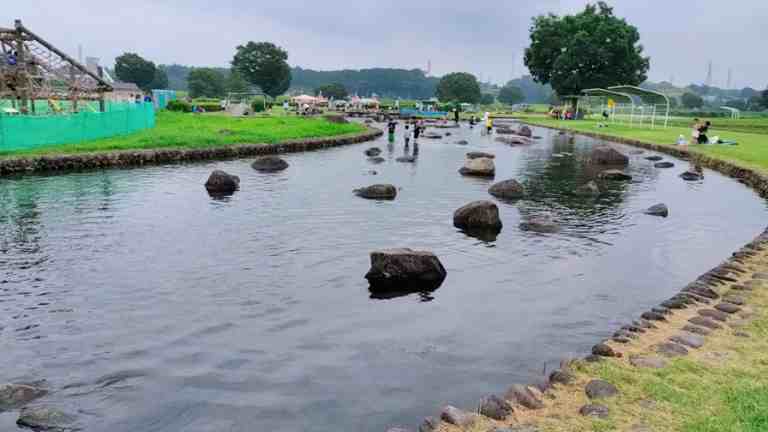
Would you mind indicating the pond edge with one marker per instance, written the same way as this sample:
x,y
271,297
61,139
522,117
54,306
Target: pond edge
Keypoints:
x,y
137,158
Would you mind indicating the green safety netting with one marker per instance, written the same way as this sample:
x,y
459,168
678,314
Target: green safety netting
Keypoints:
x,y
25,132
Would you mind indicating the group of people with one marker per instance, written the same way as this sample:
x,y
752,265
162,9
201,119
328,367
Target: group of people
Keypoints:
x,y
411,130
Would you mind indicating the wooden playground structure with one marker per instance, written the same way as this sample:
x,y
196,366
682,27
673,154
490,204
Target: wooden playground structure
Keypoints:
x,y
32,69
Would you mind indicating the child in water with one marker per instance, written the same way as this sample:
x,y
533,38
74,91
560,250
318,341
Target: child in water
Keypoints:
x,y
391,126
407,134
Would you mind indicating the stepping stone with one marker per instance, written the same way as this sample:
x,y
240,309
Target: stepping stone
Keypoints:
x,y
599,389
714,314
664,165
643,323
653,316
697,330
760,276
741,288
654,158
603,350
705,322
675,304
647,362
688,339
742,334
522,395
728,308
633,328
496,408
626,334
561,377
455,416
621,339
670,349
594,410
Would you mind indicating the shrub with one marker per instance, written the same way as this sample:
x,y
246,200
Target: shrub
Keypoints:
x,y
179,106
209,106
258,105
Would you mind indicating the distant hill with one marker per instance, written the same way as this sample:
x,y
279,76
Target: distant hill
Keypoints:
x,y
385,82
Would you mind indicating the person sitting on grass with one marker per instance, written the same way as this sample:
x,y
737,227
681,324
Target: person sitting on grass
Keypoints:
x,y
695,131
703,130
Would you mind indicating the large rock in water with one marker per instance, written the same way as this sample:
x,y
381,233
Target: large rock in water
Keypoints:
x,y
373,151
691,176
405,269
219,182
525,131
658,210
480,167
377,191
514,140
476,155
607,155
269,164
483,215
15,395
507,189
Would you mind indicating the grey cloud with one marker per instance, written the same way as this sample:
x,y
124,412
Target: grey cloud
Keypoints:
x,y
485,38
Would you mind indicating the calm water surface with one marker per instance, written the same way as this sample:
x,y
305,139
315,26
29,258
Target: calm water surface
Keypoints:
x,y
148,306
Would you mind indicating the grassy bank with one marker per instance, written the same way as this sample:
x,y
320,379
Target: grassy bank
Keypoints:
x,y
178,130
751,151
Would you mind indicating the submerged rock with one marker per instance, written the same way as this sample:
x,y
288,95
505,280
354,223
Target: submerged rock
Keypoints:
x,y
373,151
46,418
377,191
269,164
480,167
405,269
477,155
525,131
658,210
376,160
589,189
540,224
406,159
220,182
607,155
654,158
462,142
614,174
514,140
691,176
507,189
15,395
478,215
664,165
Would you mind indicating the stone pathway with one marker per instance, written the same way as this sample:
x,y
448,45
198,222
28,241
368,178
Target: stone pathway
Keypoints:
x,y
716,305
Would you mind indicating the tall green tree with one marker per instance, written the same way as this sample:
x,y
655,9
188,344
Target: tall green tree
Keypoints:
x,y
236,83
691,100
264,64
511,94
206,82
132,68
161,79
459,86
487,99
591,49
335,91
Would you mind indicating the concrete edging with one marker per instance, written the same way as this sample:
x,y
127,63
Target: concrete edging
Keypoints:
x,y
137,158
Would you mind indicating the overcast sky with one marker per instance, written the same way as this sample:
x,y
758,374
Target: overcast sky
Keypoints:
x,y
484,38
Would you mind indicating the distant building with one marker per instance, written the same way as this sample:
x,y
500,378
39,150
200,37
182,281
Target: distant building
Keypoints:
x,y
124,92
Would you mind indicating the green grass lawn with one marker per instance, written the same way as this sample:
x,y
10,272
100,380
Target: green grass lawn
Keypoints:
x,y
179,130
751,151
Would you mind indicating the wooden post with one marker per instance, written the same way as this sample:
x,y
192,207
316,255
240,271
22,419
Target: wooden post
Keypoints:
x,y
21,67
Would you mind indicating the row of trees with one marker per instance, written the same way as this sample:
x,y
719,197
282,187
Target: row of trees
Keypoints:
x,y
261,64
